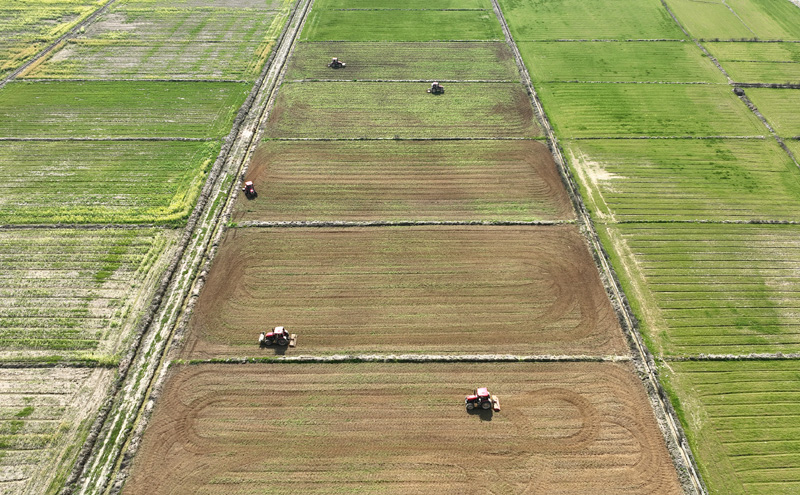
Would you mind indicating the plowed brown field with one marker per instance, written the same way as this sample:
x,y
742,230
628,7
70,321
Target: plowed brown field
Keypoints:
x,y
395,180
434,289
576,428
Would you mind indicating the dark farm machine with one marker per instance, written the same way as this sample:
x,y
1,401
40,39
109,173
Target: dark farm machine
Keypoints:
x,y
336,64
482,399
277,336
249,190
436,89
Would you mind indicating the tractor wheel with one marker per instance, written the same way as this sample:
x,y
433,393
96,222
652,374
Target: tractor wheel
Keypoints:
x,y
486,405
267,342
282,341
470,406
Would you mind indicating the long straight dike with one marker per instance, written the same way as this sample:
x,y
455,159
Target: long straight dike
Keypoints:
x,y
109,448
670,425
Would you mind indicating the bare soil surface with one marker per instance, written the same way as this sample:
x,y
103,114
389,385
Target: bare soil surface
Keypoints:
x,y
577,428
436,289
394,180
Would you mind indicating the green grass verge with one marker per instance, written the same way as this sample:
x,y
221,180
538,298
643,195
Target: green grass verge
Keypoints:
x,y
713,288
71,291
781,108
709,20
411,61
26,26
101,182
400,25
775,63
577,19
664,180
404,110
742,421
617,110
98,109
167,44
623,61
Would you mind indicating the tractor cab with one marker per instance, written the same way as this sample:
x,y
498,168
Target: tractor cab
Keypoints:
x,y
436,89
249,190
482,399
279,336
336,63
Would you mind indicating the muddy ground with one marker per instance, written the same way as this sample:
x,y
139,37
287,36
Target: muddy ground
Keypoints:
x,y
434,289
566,428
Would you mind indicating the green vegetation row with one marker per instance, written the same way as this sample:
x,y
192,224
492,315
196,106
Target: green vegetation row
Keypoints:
x,y
71,290
738,19
101,182
743,420
776,63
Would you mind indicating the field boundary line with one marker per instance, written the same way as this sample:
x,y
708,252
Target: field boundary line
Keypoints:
x,y
485,138
671,428
774,356
413,358
389,223
49,48
595,138
104,451
679,83
743,97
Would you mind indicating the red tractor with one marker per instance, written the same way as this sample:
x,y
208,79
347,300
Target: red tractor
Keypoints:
x,y
278,336
337,64
482,399
436,89
249,190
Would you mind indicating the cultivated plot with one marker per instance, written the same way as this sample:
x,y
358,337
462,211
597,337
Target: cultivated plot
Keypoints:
x,y
571,428
167,43
645,61
75,292
101,109
781,108
401,110
743,423
769,19
710,20
395,180
658,179
101,181
402,25
631,110
576,19
45,415
434,289
775,63
406,5
713,288
405,61
26,26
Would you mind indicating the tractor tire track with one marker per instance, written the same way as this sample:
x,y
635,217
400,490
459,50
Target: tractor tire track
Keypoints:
x,y
665,414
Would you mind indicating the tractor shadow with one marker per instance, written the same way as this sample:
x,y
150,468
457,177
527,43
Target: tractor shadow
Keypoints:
x,y
485,414
277,350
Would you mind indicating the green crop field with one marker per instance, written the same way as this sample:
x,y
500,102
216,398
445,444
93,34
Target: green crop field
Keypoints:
x,y
713,288
45,415
781,108
622,61
759,62
167,43
409,61
600,110
743,423
101,182
578,19
405,110
406,5
70,291
397,180
100,109
401,25
769,19
709,20
630,180
26,26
